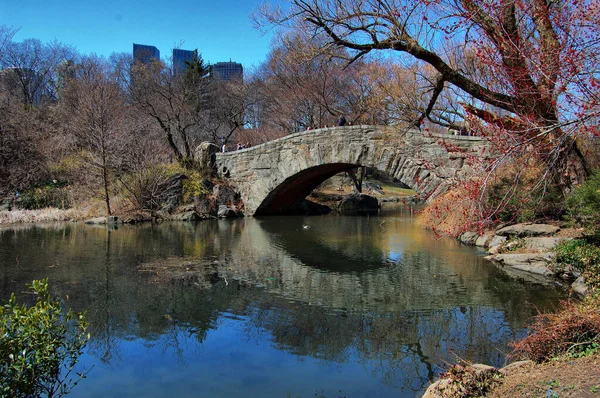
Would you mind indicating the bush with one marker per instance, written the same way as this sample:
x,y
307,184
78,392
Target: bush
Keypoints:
x,y
574,331
40,346
582,255
583,204
52,194
153,188
468,381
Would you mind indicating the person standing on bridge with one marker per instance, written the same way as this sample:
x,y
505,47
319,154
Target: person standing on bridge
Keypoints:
x,y
341,121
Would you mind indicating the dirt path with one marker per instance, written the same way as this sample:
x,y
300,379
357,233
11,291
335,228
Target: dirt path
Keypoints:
x,y
562,378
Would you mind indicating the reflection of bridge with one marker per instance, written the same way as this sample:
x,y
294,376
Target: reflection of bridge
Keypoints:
x,y
275,176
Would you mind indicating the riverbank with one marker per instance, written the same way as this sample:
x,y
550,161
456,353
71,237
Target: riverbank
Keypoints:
x,y
528,251
19,216
562,377
564,344
560,358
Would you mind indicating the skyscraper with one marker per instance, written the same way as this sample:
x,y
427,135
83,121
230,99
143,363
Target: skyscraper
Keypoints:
x,y
144,54
179,59
228,71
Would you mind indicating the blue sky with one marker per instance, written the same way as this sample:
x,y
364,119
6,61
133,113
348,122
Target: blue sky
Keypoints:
x,y
220,29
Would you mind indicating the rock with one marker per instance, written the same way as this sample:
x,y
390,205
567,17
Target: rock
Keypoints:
x,y
468,238
515,366
541,244
496,243
512,245
186,216
226,212
226,195
536,263
481,369
437,389
484,240
205,156
186,208
96,221
114,220
580,287
359,204
528,230
312,208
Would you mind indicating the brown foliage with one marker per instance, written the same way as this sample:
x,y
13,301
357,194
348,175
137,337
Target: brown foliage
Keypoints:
x,y
450,213
469,381
572,330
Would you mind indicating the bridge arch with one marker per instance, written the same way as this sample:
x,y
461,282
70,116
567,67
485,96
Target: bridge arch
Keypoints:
x,y
274,176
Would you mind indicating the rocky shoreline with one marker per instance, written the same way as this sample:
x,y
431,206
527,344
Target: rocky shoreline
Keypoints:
x,y
527,251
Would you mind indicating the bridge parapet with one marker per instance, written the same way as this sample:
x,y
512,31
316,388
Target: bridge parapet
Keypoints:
x,y
274,176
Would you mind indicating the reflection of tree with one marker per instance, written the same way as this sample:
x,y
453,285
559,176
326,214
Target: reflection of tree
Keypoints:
x,y
399,344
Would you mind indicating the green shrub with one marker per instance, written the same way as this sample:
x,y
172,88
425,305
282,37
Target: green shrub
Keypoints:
x,y
40,346
583,204
193,184
51,194
582,255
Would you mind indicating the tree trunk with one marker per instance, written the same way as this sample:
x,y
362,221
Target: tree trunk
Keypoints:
x,y
105,178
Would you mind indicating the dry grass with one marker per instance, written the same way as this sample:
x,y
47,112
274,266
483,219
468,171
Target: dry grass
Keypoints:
x,y
36,216
92,208
573,331
566,377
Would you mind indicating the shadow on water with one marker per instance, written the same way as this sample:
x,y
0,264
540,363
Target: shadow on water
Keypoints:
x,y
370,306
314,246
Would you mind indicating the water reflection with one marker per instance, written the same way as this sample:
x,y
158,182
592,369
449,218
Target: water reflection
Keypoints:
x,y
370,306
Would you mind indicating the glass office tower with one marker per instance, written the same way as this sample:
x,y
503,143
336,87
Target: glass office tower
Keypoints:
x,y
144,54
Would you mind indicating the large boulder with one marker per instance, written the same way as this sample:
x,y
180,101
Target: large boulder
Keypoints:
x,y
205,156
536,263
485,239
469,238
226,195
226,212
580,287
541,244
359,204
528,229
185,216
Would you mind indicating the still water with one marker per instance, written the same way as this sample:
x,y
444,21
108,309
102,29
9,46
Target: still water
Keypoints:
x,y
326,306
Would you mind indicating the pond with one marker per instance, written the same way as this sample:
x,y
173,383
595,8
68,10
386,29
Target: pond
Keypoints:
x,y
326,306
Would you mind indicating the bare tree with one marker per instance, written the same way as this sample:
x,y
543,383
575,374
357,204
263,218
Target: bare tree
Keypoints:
x,y
527,75
95,111
177,103
6,35
304,88
33,67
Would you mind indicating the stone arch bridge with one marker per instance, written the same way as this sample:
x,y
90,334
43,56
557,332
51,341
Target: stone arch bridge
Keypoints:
x,y
275,176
